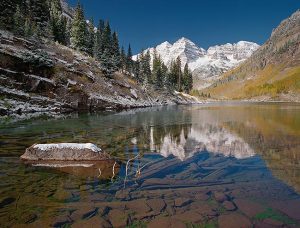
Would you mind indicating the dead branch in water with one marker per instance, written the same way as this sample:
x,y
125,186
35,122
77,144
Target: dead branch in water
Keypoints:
x,y
99,173
113,176
126,171
139,170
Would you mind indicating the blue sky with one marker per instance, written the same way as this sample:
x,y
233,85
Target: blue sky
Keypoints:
x,y
145,23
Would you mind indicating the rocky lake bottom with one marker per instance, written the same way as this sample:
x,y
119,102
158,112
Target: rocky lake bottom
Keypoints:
x,y
213,165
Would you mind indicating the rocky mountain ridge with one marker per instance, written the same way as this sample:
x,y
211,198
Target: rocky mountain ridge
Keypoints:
x,y
207,65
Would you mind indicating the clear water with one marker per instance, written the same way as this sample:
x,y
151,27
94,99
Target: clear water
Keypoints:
x,y
194,166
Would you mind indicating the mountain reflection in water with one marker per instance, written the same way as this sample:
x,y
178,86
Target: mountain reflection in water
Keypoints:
x,y
181,165
212,138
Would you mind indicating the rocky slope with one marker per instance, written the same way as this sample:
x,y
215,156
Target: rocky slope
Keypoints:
x,y
68,11
207,65
271,73
47,77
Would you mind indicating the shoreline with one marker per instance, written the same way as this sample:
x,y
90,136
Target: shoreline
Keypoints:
x,y
122,109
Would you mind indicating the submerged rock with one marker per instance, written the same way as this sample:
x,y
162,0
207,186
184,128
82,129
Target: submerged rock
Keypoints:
x,y
64,152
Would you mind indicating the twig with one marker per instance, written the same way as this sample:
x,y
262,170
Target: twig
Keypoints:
x,y
139,170
113,171
100,172
129,161
127,168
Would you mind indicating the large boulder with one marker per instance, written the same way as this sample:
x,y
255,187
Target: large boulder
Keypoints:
x,y
64,152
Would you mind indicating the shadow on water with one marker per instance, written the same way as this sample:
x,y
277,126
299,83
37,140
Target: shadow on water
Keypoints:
x,y
181,165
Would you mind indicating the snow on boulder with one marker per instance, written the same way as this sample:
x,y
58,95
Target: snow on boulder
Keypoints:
x,y
64,152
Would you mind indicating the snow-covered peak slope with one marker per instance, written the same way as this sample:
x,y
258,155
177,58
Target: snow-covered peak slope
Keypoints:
x,y
207,65
239,51
184,48
187,51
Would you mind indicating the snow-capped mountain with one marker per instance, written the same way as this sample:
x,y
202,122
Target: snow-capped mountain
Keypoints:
x,y
207,65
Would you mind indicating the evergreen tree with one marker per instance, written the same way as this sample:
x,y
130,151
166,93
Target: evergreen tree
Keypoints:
x,y
141,64
106,63
91,37
156,70
175,75
129,52
101,26
29,28
129,61
159,78
172,77
57,22
40,14
19,22
106,38
179,74
24,7
187,79
136,71
8,8
110,54
65,37
116,51
68,31
79,30
145,68
123,58
98,44
165,72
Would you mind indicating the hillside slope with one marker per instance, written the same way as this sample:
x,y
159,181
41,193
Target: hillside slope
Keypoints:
x,y
42,76
271,73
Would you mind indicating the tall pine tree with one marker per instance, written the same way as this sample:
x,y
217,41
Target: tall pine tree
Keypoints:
x,y
136,71
145,67
98,44
129,61
19,22
116,51
91,37
156,77
107,59
179,74
40,14
187,79
79,30
123,59
106,63
58,23
165,72
175,75
107,37
8,8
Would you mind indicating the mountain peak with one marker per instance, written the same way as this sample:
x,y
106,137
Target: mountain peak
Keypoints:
x,y
165,44
184,41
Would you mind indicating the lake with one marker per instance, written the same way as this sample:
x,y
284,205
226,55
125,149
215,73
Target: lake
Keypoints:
x,y
213,165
